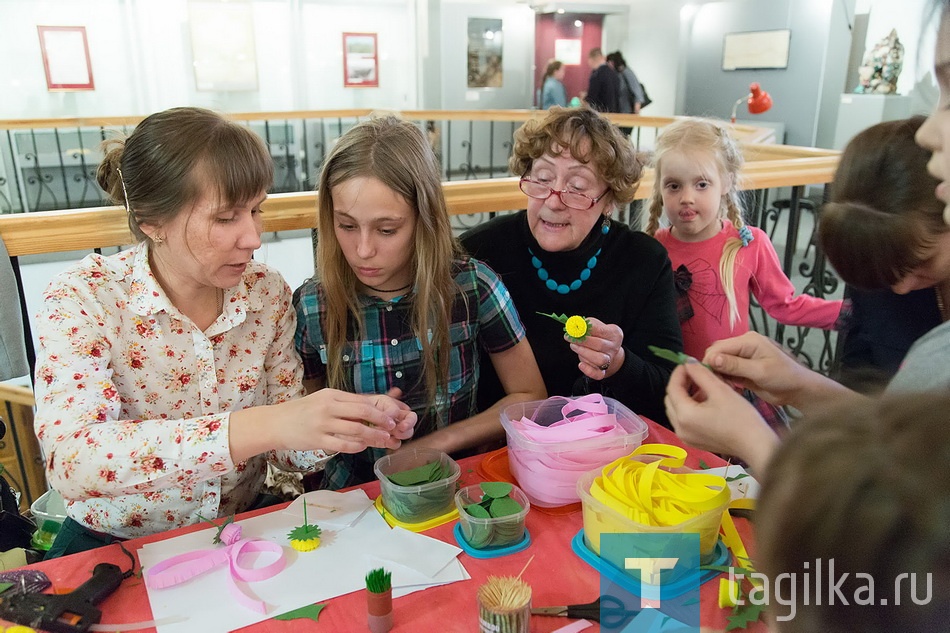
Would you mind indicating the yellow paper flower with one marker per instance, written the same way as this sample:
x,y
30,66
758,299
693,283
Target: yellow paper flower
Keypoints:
x,y
576,327
305,545
305,538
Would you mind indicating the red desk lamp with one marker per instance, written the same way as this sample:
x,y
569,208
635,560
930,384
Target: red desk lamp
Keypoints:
x,y
759,101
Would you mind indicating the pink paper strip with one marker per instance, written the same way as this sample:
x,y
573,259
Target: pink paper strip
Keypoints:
x,y
574,627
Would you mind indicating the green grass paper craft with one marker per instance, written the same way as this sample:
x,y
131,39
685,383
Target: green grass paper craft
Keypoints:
x,y
496,503
379,580
576,327
309,612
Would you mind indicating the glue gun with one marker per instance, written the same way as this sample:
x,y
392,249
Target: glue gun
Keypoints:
x,y
73,612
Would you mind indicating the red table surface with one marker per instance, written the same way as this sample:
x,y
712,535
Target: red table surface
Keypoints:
x,y
557,575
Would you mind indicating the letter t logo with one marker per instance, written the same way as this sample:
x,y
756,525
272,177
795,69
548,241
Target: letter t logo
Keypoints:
x,y
650,569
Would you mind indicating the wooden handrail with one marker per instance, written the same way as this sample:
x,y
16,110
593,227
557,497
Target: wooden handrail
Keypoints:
x,y
16,394
101,227
746,133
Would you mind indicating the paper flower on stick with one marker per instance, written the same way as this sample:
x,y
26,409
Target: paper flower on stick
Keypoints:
x,y
576,327
306,537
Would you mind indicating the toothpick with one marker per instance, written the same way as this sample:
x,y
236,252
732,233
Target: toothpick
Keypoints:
x,y
526,566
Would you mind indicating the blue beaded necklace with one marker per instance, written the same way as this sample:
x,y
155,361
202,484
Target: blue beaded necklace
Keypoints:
x,y
563,288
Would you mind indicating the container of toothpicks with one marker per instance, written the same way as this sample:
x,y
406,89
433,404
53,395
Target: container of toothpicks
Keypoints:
x,y
504,605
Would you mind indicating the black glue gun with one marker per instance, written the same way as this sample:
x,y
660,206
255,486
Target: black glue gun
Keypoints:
x,y
73,612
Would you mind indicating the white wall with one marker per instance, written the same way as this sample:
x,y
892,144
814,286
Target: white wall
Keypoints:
x,y
517,56
142,60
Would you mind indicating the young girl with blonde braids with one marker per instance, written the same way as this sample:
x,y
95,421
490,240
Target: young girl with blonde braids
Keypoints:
x,y
718,261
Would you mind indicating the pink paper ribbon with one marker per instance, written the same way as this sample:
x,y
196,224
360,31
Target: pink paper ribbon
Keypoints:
x,y
178,569
550,477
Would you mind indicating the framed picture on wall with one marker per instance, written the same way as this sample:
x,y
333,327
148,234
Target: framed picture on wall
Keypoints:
x,y
485,47
360,61
756,49
223,45
568,52
66,58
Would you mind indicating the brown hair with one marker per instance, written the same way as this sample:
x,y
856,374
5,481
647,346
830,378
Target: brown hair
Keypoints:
x,y
171,154
696,136
552,67
883,217
396,153
591,139
866,483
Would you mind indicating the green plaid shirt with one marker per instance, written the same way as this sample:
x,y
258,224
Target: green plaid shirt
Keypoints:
x,y
390,355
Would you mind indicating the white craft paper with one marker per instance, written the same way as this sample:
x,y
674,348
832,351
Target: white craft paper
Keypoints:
x,y
337,567
330,509
745,488
415,551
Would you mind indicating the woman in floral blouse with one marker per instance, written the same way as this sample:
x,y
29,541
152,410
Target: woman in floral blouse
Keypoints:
x,y
166,377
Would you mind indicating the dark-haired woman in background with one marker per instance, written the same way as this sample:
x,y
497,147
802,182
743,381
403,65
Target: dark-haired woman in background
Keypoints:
x,y
887,206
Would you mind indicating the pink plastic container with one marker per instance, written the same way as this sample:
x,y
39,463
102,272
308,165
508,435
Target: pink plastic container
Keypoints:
x,y
548,471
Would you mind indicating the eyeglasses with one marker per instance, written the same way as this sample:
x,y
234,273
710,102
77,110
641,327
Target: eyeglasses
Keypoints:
x,y
572,199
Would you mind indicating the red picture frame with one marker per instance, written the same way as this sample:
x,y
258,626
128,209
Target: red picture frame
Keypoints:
x,y
360,60
66,58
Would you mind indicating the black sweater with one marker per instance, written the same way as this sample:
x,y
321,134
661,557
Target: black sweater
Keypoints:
x,y
631,286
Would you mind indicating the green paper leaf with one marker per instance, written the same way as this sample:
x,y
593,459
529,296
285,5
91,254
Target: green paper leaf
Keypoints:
x,y
309,612
504,507
745,615
674,357
560,318
703,465
737,477
427,473
496,489
4,586
477,511
478,535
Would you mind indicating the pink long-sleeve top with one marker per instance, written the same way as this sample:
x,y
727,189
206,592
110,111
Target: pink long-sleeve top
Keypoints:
x,y
757,272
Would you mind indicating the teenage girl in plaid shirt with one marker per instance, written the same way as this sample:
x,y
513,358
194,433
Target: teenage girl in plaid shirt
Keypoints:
x,y
396,308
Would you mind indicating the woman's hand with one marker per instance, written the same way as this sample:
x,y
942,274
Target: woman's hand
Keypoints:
x,y
707,413
329,419
758,363
601,353
406,418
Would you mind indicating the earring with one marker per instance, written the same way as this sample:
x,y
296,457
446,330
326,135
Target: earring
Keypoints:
x,y
605,227
158,240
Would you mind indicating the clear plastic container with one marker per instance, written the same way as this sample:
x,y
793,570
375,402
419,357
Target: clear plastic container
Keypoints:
x,y
547,472
600,519
48,507
491,533
416,504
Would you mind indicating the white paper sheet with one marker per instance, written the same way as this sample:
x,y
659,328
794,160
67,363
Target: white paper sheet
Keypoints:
x,y
330,509
337,567
743,488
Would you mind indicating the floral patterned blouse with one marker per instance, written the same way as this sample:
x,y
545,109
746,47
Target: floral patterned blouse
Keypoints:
x,y
133,400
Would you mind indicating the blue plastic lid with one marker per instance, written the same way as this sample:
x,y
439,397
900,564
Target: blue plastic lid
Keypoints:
x,y
668,591
491,552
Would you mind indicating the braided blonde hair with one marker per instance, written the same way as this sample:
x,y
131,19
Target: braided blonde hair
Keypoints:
x,y
705,136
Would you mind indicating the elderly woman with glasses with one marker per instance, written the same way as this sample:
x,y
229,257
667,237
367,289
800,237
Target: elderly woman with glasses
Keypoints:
x,y
564,255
